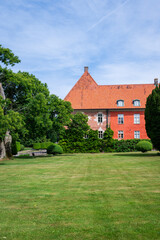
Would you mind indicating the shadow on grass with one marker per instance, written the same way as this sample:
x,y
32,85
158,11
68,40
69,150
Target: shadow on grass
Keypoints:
x,y
2,163
155,154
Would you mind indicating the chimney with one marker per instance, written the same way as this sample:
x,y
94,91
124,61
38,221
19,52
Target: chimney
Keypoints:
x,y
156,81
85,69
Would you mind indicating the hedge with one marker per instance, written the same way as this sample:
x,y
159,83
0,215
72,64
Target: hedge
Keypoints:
x,y
42,145
100,145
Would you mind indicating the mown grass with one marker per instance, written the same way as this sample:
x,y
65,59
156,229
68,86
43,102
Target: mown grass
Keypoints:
x,y
80,196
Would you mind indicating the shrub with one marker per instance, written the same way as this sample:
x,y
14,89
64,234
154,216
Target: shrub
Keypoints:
x,y
144,146
54,149
37,146
48,144
18,146
43,145
22,147
58,149
14,147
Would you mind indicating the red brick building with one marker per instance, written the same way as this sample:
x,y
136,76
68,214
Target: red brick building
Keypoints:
x,y
119,106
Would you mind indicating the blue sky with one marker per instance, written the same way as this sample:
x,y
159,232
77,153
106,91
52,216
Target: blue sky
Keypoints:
x,y
119,40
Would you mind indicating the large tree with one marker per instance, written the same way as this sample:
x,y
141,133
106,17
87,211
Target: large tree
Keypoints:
x,y
152,117
10,121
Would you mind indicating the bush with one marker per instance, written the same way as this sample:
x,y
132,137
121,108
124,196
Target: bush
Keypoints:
x,y
18,146
14,147
144,146
43,145
54,149
22,147
37,146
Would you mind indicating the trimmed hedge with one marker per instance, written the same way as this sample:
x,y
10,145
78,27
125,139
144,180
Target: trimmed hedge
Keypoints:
x,y
144,146
54,149
127,145
100,145
43,145
37,146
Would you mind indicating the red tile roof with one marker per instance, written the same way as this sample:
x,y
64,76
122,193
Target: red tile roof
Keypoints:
x,y
87,94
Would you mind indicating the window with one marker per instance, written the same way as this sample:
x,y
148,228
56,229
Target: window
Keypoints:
x,y
136,103
136,118
120,134
100,134
99,117
86,136
136,134
120,118
120,103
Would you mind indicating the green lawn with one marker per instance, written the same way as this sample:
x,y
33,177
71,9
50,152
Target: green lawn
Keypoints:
x,y
81,197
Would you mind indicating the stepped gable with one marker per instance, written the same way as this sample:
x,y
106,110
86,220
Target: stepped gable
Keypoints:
x,y
87,94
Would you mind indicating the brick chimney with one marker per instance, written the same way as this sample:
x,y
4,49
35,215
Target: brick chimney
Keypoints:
x,y
85,69
156,81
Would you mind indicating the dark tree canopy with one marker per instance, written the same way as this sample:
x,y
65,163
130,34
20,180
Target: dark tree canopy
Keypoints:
x,y
152,117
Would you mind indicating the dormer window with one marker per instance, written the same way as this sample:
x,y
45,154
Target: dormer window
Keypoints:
x,y
120,103
136,103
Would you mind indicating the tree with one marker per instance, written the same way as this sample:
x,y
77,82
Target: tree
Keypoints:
x,y
21,87
78,127
37,118
152,117
11,121
60,115
107,141
7,56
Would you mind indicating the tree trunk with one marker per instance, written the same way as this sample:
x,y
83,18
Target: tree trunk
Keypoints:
x,y
5,145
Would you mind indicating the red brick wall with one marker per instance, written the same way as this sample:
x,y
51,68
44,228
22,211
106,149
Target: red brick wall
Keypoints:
x,y
128,127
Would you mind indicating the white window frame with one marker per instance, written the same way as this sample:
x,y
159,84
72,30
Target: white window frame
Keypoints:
x,y
86,136
120,103
100,117
137,118
136,103
100,134
120,118
120,134
137,134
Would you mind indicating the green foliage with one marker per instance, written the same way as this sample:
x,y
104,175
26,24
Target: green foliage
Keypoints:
x,y
144,146
54,149
12,122
107,143
152,117
126,145
37,118
20,88
43,145
37,146
22,147
14,147
18,145
7,56
92,142
37,114
60,115
78,127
